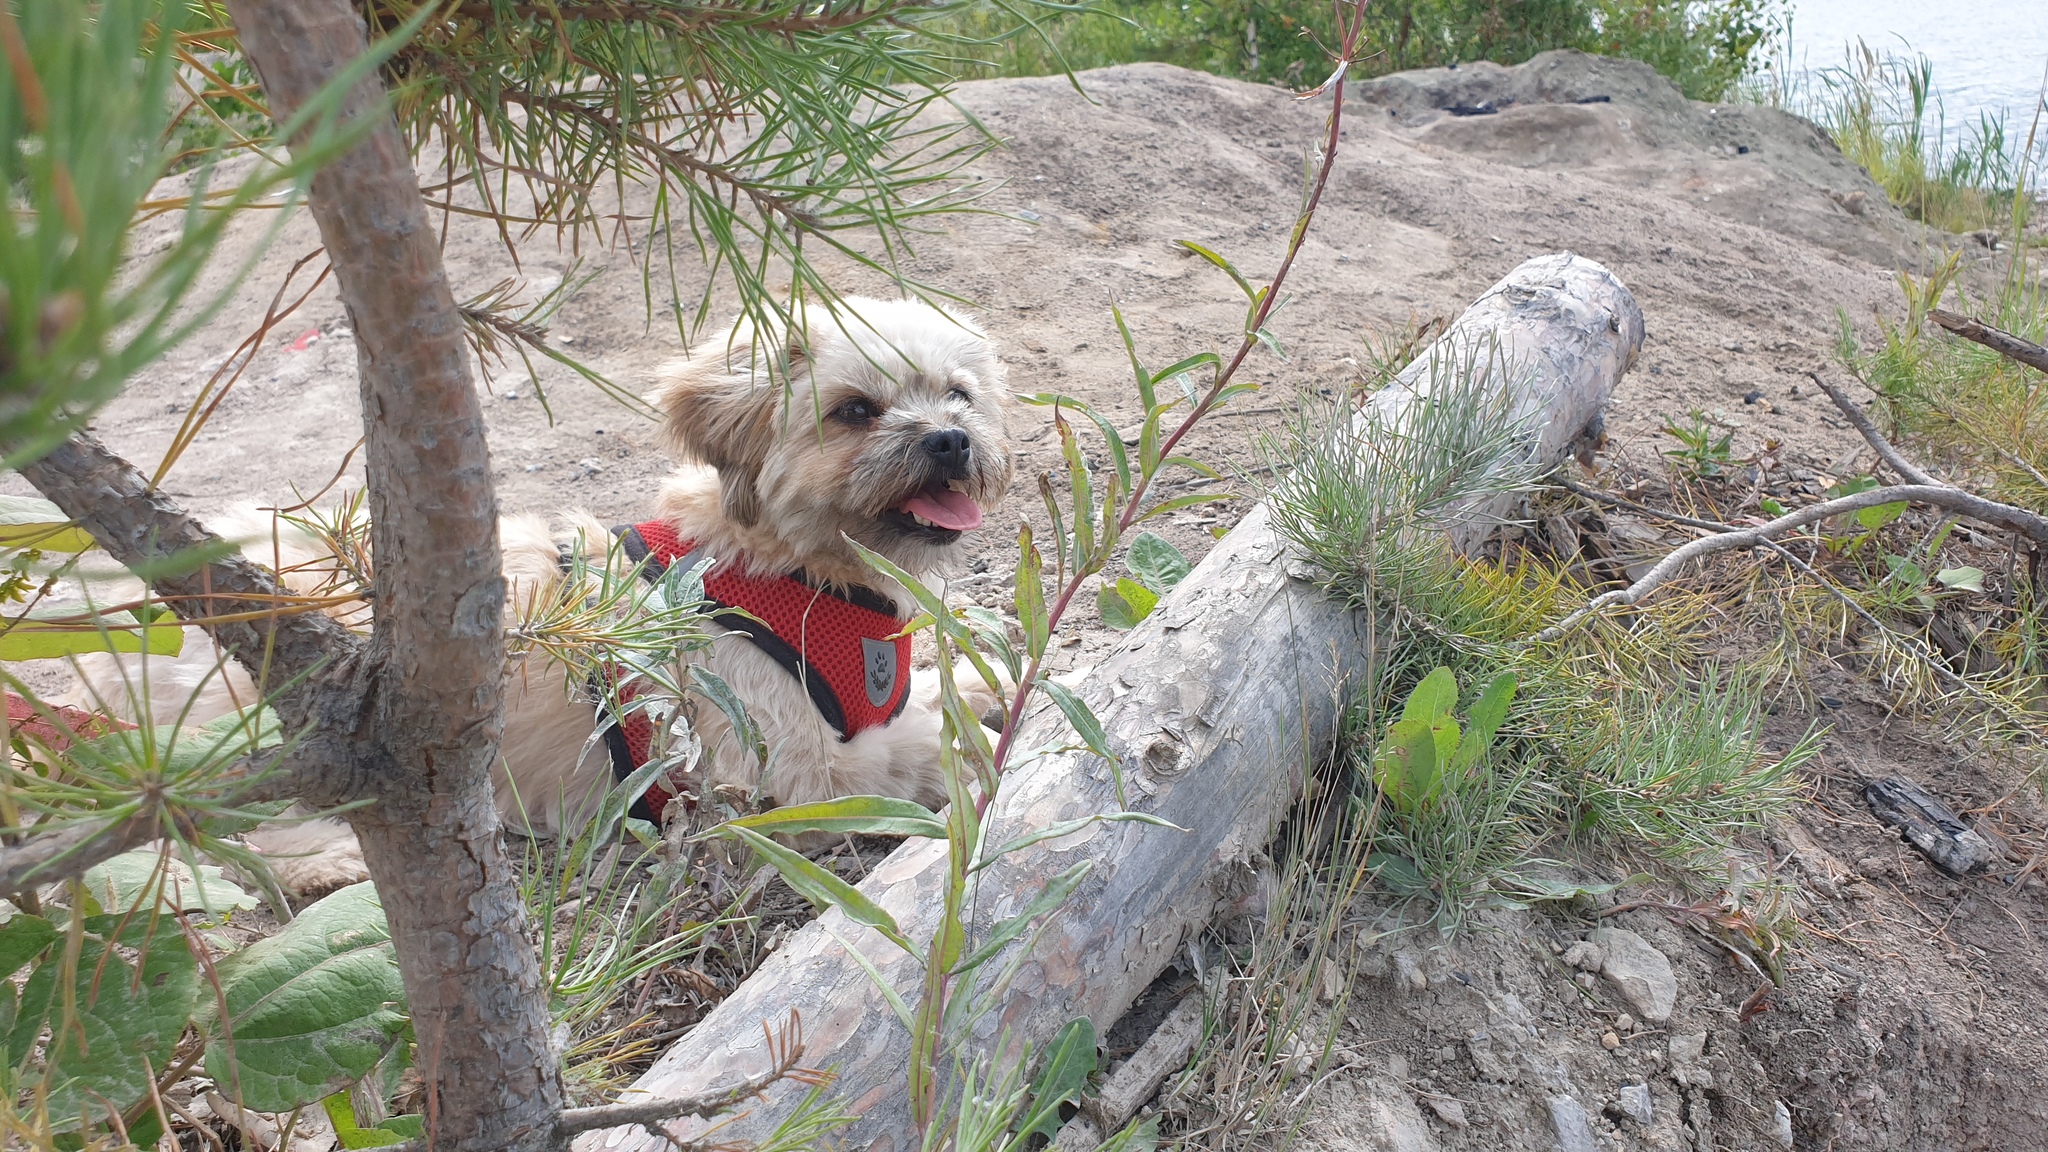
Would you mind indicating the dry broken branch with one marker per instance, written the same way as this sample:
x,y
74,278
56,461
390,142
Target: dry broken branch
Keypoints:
x,y
788,1053
1997,339
1938,495
1886,450
1922,489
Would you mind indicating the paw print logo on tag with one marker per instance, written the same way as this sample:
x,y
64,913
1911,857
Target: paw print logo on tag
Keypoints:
x,y
880,657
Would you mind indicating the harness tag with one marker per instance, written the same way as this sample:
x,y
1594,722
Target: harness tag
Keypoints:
x,y
879,656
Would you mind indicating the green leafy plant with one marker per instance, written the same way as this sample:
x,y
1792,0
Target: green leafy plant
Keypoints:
x,y
1424,752
82,142
1701,454
1157,567
116,1002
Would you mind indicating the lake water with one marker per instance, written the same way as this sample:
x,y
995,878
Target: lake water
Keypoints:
x,y
1988,55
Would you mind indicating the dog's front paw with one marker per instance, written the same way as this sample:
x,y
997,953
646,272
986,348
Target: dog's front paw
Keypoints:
x,y
310,858
988,706
310,877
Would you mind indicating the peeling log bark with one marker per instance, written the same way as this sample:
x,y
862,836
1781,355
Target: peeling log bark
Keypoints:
x,y
1217,703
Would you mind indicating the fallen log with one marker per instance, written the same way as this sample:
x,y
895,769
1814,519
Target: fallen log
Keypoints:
x,y
1218,702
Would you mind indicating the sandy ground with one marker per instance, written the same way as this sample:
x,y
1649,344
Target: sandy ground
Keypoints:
x,y
1742,234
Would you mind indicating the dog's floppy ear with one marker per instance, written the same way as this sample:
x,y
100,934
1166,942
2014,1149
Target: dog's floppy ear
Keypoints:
x,y
725,419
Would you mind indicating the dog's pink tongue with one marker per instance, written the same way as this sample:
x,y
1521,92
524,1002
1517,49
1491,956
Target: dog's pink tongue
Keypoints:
x,y
946,508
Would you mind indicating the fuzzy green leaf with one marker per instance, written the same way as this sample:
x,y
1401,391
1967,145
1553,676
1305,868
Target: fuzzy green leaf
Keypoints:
x,y
125,882
342,1114
1125,604
1878,516
311,1009
1399,875
21,939
1140,1135
33,522
1963,579
1157,564
1484,719
1435,696
127,1018
37,638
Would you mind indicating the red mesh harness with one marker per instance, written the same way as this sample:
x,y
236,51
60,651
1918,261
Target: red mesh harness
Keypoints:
x,y
844,648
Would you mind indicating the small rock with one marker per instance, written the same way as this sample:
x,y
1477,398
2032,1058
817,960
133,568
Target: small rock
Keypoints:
x,y
1574,1130
1686,1048
535,467
1585,957
1635,1103
1451,1112
1639,972
1610,1041
1408,971
1624,1024
1585,980
1783,1128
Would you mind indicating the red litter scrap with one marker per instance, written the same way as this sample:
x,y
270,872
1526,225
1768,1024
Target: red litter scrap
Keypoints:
x,y
23,717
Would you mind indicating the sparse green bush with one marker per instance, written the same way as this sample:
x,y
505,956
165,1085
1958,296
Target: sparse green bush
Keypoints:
x,y
1884,112
1705,47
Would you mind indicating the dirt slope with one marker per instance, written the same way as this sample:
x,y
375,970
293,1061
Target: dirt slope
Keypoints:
x,y
1741,233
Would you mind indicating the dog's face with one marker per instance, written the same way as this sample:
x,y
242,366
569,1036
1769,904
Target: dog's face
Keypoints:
x,y
887,427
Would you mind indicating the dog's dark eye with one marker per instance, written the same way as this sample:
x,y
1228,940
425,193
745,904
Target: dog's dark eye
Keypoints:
x,y
858,410
961,395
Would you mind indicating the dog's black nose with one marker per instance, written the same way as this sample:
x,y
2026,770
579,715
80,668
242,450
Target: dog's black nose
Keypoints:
x,y
949,449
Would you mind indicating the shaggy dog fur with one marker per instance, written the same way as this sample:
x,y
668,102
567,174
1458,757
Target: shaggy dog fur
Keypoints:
x,y
882,423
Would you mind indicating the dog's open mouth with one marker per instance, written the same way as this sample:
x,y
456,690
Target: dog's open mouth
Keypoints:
x,y
940,511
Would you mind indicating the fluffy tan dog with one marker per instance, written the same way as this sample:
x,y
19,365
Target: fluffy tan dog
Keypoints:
x,y
883,423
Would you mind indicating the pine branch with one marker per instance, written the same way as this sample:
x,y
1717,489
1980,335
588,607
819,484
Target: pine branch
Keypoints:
x,y
46,855
238,602
1886,451
677,160
1998,340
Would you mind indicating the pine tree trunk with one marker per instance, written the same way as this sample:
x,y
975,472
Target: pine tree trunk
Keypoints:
x,y
429,725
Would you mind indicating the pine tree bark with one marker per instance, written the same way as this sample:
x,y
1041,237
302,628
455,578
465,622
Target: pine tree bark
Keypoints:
x,y
432,709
